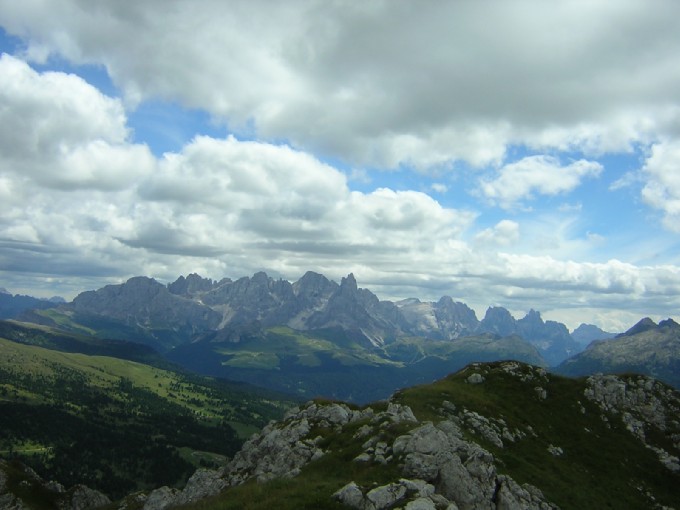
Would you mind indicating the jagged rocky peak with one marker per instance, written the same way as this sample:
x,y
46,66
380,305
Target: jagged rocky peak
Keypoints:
x,y
643,325
454,318
313,286
458,309
348,284
533,318
126,295
192,284
587,333
499,321
668,323
646,348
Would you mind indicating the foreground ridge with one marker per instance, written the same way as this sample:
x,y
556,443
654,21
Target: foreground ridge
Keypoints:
x,y
439,467
494,435
502,435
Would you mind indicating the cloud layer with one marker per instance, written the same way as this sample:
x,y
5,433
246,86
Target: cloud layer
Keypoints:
x,y
506,109
387,83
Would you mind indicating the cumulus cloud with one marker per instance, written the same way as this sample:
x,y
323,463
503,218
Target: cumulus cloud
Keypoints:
x,y
364,84
367,83
216,203
662,191
536,174
504,233
60,131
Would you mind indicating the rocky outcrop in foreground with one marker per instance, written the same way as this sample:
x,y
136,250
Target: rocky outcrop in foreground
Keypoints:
x,y
640,402
458,460
439,468
442,470
20,485
474,435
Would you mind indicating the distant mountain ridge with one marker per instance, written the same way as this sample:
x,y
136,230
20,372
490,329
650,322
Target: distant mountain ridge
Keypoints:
x,y
646,348
185,309
587,333
12,306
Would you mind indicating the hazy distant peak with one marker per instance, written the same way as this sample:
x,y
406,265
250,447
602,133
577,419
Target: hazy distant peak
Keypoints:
x,y
643,325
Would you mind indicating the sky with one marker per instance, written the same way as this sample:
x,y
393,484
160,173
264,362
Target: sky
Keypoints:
x,y
523,154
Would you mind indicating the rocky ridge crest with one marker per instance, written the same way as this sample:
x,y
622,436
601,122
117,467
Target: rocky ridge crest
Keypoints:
x,y
439,468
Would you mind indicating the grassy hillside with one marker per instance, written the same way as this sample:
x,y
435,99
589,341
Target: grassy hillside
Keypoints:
x,y
119,425
578,455
81,341
603,464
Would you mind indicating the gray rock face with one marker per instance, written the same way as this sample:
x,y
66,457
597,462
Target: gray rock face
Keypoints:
x,y
191,285
148,304
511,496
78,497
231,311
443,470
462,472
202,484
161,498
552,339
277,452
84,498
440,468
445,319
586,333
498,320
641,403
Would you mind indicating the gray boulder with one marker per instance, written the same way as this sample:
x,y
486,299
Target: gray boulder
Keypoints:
x,y
160,499
84,498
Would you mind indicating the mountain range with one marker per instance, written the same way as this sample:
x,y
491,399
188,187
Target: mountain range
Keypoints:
x,y
13,305
169,315
91,391
646,348
317,337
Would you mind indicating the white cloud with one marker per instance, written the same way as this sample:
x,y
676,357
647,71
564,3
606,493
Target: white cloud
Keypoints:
x,y
627,180
439,187
504,233
61,132
536,174
377,84
387,83
662,191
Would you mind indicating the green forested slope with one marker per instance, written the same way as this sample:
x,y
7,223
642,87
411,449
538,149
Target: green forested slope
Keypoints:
x,y
115,424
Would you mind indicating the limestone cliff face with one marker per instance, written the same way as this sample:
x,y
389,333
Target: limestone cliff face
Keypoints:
x,y
445,319
148,304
